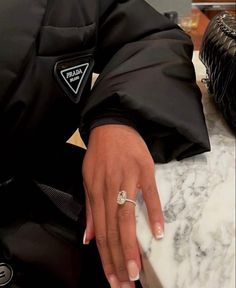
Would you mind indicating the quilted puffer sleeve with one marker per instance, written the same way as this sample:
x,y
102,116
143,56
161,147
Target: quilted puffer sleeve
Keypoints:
x,y
146,79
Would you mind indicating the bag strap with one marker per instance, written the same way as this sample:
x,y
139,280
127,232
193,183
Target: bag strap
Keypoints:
x,y
227,24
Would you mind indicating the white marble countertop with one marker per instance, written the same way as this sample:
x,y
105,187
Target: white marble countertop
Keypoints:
x,y
198,199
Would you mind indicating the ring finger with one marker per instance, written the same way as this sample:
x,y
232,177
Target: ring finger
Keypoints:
x,y
127,227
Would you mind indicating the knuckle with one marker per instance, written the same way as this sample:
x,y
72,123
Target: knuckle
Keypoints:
x,y
150,196
101,241
149,188
108,268
125,215
154,215
129,249
113,237
122,272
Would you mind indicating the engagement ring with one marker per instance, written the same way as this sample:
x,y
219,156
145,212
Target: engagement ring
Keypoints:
x,y
122,198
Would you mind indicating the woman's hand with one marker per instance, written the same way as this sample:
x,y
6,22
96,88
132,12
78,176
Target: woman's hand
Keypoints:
x,y
117,158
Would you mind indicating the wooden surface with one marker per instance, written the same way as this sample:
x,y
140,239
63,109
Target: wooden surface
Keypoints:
x,y
213,7
196,34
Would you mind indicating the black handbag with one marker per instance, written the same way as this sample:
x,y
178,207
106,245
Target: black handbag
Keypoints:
x,y
218,54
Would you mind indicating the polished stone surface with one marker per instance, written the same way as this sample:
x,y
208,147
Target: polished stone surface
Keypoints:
x,y
198,199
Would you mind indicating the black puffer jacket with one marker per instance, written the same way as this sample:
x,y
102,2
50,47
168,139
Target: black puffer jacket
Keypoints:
x,y
49,50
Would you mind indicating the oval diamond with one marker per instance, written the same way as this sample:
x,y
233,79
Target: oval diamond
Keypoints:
x,y
121,198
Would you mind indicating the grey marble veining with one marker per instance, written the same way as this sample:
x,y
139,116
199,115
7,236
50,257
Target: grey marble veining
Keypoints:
x,y
198,200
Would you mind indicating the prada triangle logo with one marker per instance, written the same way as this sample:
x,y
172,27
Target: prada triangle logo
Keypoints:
x,y
74,76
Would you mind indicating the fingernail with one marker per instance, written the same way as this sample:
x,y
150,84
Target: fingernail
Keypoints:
x,y
159,234
125,285
113,281
133,270
85,241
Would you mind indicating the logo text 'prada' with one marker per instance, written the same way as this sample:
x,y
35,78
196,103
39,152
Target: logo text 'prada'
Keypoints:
x,y
74,76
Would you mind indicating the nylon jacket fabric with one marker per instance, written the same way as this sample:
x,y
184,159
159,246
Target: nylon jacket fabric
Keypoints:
x,y
151,79
146,80
146,76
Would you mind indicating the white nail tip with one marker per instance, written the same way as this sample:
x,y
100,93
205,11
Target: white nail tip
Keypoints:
x,y
134,278
158,232
85,241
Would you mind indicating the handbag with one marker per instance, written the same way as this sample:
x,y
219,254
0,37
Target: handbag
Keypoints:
x,y
218,54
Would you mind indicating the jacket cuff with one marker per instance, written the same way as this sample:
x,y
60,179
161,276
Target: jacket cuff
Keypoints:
x,y
113,116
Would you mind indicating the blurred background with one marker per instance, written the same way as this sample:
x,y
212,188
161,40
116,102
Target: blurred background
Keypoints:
x,y
211,8
183,7
192,15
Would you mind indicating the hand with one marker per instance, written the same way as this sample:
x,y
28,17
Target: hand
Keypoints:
x,y
117,158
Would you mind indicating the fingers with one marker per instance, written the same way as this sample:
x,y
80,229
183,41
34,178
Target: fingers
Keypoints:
x,y
127,227
115,226
117,159
113,236
153,204
96,200
101,238
89,233
110,245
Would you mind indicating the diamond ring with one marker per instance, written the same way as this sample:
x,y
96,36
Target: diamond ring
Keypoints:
x,y
122,198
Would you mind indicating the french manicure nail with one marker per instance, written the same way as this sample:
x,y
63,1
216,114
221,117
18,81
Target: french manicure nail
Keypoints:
x,y
133,270
85,241
159,234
